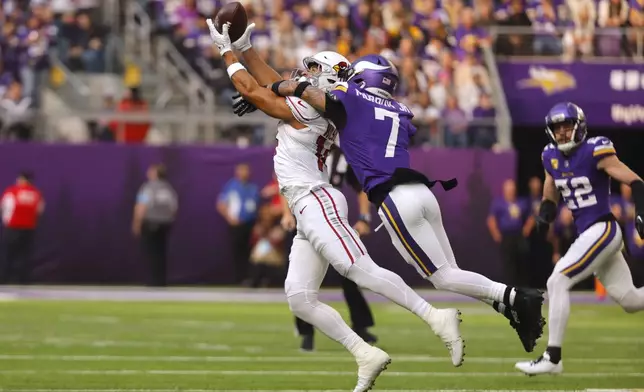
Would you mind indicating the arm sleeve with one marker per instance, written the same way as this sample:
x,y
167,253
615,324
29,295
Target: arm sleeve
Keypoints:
x,y
335,109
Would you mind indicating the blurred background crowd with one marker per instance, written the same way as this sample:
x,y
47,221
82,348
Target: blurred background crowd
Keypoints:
x,y
437,46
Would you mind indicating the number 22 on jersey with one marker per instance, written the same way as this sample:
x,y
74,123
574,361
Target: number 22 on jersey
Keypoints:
x,y
576,192
382,114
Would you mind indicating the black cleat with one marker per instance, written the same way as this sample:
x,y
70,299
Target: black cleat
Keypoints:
x,y
366,336
525,317
307,343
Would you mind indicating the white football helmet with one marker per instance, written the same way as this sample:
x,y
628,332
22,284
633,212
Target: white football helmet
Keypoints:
x,y
326,68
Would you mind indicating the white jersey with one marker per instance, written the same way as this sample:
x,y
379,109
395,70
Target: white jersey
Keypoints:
x,y
300,157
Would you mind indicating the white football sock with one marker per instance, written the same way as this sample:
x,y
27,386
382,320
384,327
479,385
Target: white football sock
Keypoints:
x,y
306,306
366,273
558,308
471,284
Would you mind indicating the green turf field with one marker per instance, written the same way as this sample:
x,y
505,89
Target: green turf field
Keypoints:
x,y
124,346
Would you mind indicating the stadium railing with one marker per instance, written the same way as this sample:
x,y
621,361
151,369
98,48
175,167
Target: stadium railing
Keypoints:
x,y
183,127
177,127
503,120
629,42
157,53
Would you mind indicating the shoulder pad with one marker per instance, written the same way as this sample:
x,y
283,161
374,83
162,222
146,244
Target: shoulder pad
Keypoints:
x,y
599,141
302,111
601,145
547,150
340,86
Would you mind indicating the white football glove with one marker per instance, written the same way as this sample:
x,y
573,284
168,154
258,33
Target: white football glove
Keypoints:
x,y
243,43
221,40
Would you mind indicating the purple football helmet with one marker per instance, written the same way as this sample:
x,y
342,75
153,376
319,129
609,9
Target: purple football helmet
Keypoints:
x,y
375,74
567,122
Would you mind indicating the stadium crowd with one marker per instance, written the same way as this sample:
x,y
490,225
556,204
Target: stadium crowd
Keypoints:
x,y
442,72
435,44
31,30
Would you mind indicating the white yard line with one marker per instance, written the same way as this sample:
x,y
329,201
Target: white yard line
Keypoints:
x,y
129,372
287,359
318,390
313,390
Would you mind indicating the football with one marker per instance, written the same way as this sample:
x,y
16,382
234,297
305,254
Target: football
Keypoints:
x,y
234,13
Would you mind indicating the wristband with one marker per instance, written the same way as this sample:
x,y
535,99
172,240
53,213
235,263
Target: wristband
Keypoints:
x,y
299,90
234,67
548,211
637,187
275,87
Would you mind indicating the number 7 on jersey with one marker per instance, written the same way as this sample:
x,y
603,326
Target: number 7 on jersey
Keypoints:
x,y
381,114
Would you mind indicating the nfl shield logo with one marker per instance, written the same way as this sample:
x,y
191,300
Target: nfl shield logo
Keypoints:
x,y
386,81
555,163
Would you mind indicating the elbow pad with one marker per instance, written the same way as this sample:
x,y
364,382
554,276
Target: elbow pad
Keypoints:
x,y
637,187
548,211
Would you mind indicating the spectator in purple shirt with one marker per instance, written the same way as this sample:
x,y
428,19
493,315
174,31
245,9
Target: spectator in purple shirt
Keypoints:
x,y
508,223
547,40
10,48
455,123
467,31
187,16
34,59
303,17
482,131
502,10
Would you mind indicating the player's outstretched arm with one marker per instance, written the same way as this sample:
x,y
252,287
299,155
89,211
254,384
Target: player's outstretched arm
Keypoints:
x,y
246,85
618,170
324,102
263,73
259,96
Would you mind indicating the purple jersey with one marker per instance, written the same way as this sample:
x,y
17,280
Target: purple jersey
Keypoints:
x,y
376,135
584,188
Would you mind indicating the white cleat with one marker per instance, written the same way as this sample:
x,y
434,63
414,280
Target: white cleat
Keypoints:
x,y
446,323
541,365
371,364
